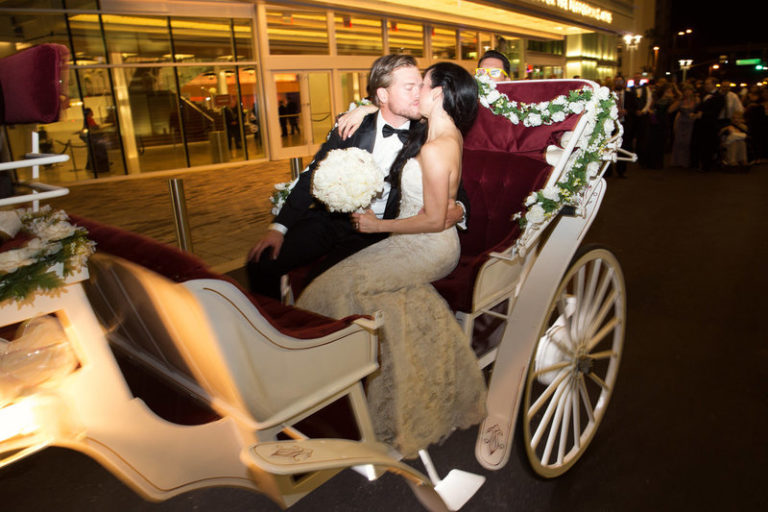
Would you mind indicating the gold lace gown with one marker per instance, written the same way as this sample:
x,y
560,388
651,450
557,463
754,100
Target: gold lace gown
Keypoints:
x,y
428,383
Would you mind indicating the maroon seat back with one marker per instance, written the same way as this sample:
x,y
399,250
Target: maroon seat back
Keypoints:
x,y
33,83
180,266
502,164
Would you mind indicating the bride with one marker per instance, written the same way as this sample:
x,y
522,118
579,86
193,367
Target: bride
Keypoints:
x,y
428,383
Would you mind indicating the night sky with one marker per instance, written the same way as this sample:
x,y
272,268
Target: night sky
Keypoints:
x,y
721,22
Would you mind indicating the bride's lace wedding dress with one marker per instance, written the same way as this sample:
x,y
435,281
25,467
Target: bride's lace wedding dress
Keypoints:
x,y
428,383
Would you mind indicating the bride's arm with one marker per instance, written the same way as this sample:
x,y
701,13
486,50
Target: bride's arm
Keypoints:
x,y
436,163
349,122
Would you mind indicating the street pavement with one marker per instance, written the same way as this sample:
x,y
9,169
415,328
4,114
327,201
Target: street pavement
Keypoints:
x,y
686,426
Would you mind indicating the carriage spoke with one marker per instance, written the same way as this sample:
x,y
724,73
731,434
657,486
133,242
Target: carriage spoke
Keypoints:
x,y
566,423
546,394
608,327
585,399
605,282
576,419
600,316
553,404
590,294
605,354
600,382
554,427
558,366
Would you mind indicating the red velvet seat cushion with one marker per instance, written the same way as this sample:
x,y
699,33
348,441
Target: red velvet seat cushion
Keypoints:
x,y
180,266
32,82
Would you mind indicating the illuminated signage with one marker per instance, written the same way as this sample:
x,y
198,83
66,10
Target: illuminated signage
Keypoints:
x,y
747,62
581,8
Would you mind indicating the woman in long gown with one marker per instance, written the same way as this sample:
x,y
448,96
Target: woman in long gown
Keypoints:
x,y
683,127
428,383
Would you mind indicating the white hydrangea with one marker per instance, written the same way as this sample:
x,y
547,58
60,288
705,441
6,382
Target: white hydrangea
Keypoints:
x,y
560,100
609,126
577,107
552,193
603,93
592,169
513,117
535,215
558,117
544,105
492,96
484,101
531,199
614,113
347,180
532,120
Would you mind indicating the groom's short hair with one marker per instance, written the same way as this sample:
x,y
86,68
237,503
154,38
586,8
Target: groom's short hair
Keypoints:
x,y
381,72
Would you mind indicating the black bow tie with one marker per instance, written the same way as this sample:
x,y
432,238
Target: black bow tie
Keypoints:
x,y
387,130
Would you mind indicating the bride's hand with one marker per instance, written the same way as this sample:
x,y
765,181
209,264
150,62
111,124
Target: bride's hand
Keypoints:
x,y
365,222
350,121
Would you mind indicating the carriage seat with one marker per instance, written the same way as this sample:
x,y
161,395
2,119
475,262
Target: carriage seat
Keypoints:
x,y
502,164
233,350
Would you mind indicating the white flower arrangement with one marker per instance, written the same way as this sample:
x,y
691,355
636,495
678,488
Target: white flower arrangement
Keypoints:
x,y
278,197
55,249
346,180
586,160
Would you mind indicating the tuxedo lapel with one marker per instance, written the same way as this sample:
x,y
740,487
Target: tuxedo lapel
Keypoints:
x,y
365,137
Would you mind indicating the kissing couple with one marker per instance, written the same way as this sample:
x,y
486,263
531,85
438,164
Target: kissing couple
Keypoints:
x,y
428,383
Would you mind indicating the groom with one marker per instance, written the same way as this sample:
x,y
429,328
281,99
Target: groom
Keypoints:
x,y
305,231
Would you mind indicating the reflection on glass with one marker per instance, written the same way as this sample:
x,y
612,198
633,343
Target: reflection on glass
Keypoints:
x,y
98,128
153,121
297,32
357,35
288,87
406,37
244,40
86,39
23,31
252,112
202,40
510,46
485,42
468,43
137,39
354,87
443,43
322,117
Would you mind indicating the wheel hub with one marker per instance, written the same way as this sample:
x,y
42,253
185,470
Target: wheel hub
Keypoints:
x,y
584,364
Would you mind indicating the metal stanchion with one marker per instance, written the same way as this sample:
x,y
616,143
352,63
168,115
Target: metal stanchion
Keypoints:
x,y
297,165
179,204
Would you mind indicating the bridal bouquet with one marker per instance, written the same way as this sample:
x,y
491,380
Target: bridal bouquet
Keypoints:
x,y
43,248
347,180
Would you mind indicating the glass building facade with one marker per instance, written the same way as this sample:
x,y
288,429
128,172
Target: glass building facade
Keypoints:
x,y
175,84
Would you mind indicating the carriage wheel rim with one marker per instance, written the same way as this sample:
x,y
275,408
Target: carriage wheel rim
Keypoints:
x,y
575,363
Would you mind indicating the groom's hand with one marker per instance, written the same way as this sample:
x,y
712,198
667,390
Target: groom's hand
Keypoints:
x,y
273,239
453,215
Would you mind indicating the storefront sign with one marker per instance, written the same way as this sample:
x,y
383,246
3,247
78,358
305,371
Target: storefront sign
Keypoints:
x,y
581,8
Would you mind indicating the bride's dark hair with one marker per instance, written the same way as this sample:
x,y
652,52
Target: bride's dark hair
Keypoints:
x,y
459,102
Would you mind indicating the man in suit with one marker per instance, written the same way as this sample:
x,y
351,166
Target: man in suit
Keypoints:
x,y
305,231
628,103
705,138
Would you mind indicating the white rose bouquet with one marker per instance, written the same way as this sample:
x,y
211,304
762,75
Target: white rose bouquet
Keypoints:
x,y
347,180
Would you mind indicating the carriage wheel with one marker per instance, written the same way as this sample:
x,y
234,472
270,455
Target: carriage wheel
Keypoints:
x,y
574,365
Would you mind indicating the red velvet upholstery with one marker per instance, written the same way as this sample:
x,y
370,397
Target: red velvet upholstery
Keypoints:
x,y
33,82
502,164
180,266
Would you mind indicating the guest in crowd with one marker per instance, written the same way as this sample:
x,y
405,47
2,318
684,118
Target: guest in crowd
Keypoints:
x,y
707,127
651,153
684,109
733,138
494,64
756,117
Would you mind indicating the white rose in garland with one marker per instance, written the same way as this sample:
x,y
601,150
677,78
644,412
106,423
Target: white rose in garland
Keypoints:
x,y
347,180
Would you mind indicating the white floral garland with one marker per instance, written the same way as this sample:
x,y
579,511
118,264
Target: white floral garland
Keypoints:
x,y
55,241
586,160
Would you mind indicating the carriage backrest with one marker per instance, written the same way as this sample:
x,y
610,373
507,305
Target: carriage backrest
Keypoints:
x,y
503,163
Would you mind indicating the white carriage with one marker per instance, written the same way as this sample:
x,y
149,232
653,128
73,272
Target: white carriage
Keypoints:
x,y
174,378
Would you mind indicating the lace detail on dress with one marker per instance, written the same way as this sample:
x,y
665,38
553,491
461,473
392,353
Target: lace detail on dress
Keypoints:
x,y
428,383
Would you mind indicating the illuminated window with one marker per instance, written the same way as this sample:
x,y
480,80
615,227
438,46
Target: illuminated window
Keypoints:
x,y
405,37
356,35
297,32
468,42
443,43
202,40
